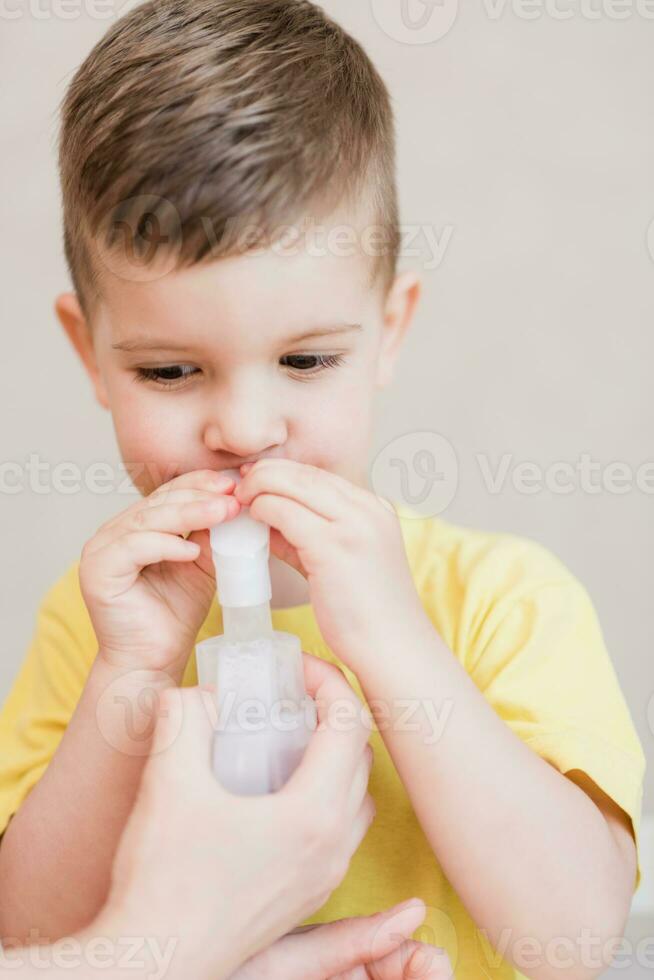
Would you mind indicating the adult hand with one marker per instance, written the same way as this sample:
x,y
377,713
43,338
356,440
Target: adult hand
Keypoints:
x,y
228,875
377,947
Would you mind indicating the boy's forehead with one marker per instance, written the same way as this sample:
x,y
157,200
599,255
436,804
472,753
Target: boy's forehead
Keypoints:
x,y
316,272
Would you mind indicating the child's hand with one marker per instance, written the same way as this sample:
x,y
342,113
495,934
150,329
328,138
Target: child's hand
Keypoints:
x,y
147,589
374,946
347,543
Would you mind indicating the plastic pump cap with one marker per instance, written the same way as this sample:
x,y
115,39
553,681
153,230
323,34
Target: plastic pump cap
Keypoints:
x,y
241,549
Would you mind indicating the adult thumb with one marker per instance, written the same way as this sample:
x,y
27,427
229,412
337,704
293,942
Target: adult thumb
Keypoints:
x,y
183,730
346,943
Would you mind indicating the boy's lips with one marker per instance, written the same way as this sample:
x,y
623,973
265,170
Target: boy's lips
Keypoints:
x,y
230,468
235,469
241,462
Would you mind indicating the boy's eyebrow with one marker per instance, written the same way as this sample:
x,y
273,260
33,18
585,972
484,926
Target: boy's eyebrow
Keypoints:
x,y
145,343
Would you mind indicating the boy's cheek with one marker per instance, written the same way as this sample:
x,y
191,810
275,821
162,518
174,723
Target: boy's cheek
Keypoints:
x,y
154,452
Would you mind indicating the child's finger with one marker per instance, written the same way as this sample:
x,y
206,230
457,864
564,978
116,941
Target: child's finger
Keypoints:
x,y
318,490
180,518
108,530
212,480
114,568
174,519
280,548
205,558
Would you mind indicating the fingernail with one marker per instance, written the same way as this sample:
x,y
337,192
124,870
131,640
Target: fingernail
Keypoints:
x,y
221,481
410,902
240,494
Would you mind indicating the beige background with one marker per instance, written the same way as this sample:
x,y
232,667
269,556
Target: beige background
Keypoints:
x,y
532,142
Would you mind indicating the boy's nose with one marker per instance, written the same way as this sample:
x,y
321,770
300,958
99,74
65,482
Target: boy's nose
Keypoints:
x,y
235,452
245,433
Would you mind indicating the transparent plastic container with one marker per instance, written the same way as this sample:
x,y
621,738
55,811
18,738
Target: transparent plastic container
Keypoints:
x,y
264,716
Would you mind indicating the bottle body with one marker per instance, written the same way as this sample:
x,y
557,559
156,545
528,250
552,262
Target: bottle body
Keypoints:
x,y
264,716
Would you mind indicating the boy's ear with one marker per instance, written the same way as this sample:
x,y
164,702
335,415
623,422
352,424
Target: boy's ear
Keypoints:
x,y
70,315
399,311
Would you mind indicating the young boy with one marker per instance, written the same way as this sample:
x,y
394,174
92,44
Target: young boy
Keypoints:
x,y
507,773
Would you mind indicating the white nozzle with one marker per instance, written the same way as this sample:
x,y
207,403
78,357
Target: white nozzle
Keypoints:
x,y
241,548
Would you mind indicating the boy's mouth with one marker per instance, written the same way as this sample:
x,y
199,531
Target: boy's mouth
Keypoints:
x,y
227,466
241,462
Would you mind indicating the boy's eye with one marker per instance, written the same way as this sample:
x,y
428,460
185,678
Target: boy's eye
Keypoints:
x,y
167,377
306,363
176,375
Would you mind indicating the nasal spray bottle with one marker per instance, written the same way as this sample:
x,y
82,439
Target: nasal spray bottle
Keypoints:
x,y
265,717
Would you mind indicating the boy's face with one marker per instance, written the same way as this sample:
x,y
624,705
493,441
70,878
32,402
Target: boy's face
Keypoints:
x,y
204,368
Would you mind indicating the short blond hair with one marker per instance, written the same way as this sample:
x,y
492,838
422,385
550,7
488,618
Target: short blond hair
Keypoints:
x,y
224,109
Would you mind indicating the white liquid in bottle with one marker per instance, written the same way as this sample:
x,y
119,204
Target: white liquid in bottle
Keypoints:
x,y
265,717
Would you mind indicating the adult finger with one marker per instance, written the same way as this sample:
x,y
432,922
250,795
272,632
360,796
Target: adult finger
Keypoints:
x,y
337,946
181,743
358,827
359,786
412,960
336,747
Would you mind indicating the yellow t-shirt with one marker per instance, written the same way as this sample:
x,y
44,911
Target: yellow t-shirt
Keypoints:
x,y
523,628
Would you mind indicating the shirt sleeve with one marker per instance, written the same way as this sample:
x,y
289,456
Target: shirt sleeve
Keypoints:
x,y
535,648
45,691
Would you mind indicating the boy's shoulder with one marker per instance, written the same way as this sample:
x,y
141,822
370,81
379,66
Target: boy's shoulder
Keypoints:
x,y
500,561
